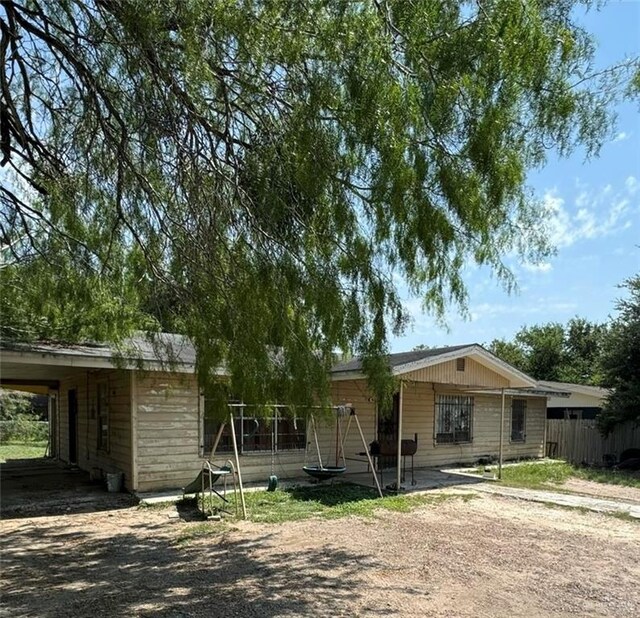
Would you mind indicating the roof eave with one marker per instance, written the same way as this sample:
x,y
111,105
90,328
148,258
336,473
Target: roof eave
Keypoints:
x,y
93,362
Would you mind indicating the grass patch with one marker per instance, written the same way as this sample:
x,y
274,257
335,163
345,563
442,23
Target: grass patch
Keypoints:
x,y
536,475
22,450
330,502
543,475
612,477
197,531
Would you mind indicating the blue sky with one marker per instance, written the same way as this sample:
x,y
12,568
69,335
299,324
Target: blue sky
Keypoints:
x,y
594,221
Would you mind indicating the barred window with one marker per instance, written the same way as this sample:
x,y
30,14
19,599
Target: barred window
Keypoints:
x,y
518,420
454,414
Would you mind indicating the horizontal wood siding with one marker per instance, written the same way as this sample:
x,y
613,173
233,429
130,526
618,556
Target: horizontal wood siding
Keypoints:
x,y
352,392
474,374
168,429
419,417
117,458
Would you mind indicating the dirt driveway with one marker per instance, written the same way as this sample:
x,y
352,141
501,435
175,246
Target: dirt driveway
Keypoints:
x,y
490,556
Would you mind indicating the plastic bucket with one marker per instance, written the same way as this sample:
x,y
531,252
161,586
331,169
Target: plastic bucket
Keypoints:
x,y
115,481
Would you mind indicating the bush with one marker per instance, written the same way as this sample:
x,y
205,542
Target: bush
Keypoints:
x,y
23,428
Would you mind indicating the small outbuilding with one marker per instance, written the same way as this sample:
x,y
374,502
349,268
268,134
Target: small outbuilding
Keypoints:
x,y
583,403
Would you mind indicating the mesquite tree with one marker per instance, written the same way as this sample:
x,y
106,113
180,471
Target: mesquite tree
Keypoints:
x,y
259,174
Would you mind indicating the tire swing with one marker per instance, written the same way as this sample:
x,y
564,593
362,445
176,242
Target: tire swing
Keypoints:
x,y
321,472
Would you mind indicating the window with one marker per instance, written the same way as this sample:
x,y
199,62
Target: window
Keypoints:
x,y
278,433
102,412
518,420
460,364
454,414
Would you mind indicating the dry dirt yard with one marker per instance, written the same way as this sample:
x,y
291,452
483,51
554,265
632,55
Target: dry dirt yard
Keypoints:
x,y
489,556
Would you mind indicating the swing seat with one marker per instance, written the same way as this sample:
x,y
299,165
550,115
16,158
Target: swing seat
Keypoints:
x,y
323,473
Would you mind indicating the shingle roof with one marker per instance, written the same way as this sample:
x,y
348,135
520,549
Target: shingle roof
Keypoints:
x,y
399,359
160,348
595,391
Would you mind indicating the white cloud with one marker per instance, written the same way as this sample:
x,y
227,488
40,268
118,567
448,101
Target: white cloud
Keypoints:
x,y
594,213
621,136
544,306
542,267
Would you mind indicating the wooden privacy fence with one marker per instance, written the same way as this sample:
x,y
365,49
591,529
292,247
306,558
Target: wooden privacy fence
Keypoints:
x,y
579,441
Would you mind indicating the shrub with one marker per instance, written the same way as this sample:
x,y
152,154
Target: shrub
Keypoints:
x,y
23,428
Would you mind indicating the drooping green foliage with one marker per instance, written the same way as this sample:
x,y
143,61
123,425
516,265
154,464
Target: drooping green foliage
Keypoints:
x,y
621,362
258,174
563,353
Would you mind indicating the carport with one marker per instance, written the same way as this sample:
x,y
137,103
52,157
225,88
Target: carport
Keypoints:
x,y
87,398
45,486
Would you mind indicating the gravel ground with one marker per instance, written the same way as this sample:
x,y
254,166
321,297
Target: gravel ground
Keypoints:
x,y
490,556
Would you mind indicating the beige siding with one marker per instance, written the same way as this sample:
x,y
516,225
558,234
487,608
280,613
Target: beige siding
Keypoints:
x,y
419,417
355,393
474,374
167,429
118,455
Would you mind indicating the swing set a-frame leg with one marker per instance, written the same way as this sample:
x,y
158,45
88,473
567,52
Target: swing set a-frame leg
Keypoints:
x,y
366,449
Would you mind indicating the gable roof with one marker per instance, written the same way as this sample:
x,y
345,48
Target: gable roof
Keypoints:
x,y
406,362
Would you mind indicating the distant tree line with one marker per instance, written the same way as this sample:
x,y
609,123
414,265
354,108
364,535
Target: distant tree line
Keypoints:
x,y
585,352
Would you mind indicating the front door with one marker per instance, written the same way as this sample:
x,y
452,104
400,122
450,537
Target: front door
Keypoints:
x,y
388,431
73,425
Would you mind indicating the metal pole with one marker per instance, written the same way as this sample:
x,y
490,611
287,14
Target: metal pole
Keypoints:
x,y
501,434
216,441
399,456
337,436
235,452
315,435
366,450
346,432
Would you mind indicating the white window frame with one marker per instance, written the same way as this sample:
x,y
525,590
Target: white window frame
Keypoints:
x,y
523,439
466,405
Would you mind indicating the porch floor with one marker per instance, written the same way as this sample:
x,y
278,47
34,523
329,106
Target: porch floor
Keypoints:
x,y
35,487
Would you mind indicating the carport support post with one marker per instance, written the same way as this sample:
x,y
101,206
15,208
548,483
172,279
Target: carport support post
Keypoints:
x,y
399,461
235,453
501,433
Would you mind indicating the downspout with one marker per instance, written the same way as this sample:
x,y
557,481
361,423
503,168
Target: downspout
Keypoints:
x,y
399,456
501,433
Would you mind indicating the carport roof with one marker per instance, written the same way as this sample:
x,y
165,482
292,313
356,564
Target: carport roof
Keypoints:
x,y
164,350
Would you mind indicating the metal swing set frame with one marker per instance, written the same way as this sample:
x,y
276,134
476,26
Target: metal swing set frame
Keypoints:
x,y
322,472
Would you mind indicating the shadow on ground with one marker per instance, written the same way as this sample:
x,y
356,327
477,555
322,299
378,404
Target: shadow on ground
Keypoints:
x,y
49,572
43,487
